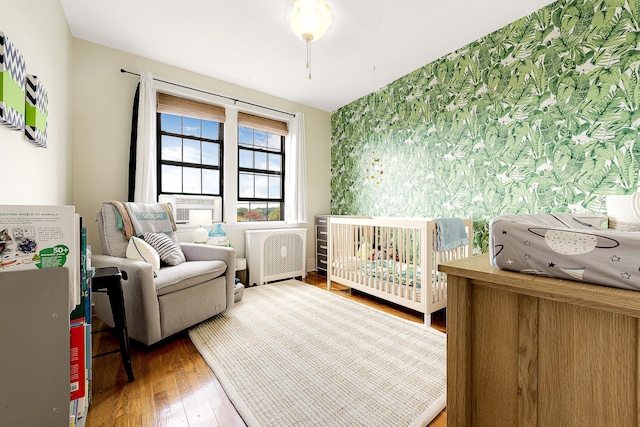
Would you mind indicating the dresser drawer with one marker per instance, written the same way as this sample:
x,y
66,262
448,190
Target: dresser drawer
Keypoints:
x,y
322,233
321,261
322,220
322,248
322,243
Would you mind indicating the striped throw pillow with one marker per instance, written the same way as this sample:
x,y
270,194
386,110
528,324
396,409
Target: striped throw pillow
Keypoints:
x,y
169,251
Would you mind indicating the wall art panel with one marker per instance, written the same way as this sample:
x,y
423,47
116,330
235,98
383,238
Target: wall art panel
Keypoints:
x,y
12,85
36,111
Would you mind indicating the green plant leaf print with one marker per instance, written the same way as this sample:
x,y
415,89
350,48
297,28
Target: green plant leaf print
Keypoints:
x,y
539,116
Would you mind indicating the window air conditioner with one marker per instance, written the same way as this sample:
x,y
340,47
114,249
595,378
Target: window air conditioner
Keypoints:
x,y
182,204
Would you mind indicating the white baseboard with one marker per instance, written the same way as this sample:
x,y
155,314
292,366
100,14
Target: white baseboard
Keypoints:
x,y
311,264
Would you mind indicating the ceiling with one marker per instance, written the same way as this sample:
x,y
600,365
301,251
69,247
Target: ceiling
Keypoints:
x,y
250,43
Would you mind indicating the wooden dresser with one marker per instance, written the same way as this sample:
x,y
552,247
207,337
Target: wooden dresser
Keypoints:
x,y
322,243
524,350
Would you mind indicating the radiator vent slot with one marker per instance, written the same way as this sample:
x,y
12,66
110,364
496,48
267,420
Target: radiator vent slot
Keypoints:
x,y
275,254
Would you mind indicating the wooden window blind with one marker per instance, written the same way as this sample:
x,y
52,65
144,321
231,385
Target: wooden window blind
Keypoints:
x,y
187,107
261,123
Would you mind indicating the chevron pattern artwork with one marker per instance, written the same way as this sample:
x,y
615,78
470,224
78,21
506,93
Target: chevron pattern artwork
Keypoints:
x,y
12,85
36,111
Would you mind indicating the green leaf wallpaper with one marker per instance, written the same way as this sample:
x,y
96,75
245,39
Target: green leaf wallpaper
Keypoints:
x,y
540,116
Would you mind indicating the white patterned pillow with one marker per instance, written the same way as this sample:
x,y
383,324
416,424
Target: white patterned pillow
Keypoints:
x,y
168,250
140,250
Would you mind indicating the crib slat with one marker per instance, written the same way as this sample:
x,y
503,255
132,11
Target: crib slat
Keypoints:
x,y
336,248
407,256
369,270
345,250
374,273
416,261
392,255
400,255
387,285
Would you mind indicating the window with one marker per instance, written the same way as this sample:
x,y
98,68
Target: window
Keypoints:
x,y
190,146
260,168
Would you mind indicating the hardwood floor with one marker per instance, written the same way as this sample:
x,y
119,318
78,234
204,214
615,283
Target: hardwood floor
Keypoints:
x,y
173,384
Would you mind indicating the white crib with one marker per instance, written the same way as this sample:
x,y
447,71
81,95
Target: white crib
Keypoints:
x,y
384,257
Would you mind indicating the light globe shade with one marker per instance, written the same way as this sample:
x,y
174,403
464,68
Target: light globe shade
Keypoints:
x,y
310,19
200,235
200,217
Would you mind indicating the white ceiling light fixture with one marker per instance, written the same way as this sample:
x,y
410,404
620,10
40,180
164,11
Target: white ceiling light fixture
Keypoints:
x,y
310,20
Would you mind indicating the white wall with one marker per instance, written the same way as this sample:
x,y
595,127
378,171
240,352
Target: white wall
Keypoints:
x,y
32,175
102,102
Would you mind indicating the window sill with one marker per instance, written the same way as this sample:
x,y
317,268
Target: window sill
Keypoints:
x,y
249,225
258,225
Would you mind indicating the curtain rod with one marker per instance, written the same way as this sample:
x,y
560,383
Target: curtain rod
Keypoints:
x,y
122,70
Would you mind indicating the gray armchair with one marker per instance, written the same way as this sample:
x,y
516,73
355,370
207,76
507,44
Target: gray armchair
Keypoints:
x,y
178,298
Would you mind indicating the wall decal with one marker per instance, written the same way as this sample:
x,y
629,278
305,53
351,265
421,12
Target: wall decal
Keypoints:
x,y
375,170
12,85
36,111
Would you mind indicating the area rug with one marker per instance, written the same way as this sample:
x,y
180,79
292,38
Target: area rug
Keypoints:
x,y
290,354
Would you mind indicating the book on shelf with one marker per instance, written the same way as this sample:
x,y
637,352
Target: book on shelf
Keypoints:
x,y
82,312
41,236
38,236
80,318
77,361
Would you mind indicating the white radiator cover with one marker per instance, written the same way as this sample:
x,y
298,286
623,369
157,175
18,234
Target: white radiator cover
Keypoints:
x,y
276,254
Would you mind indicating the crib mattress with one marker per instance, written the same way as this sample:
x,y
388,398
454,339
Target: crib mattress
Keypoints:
x,y
565,246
